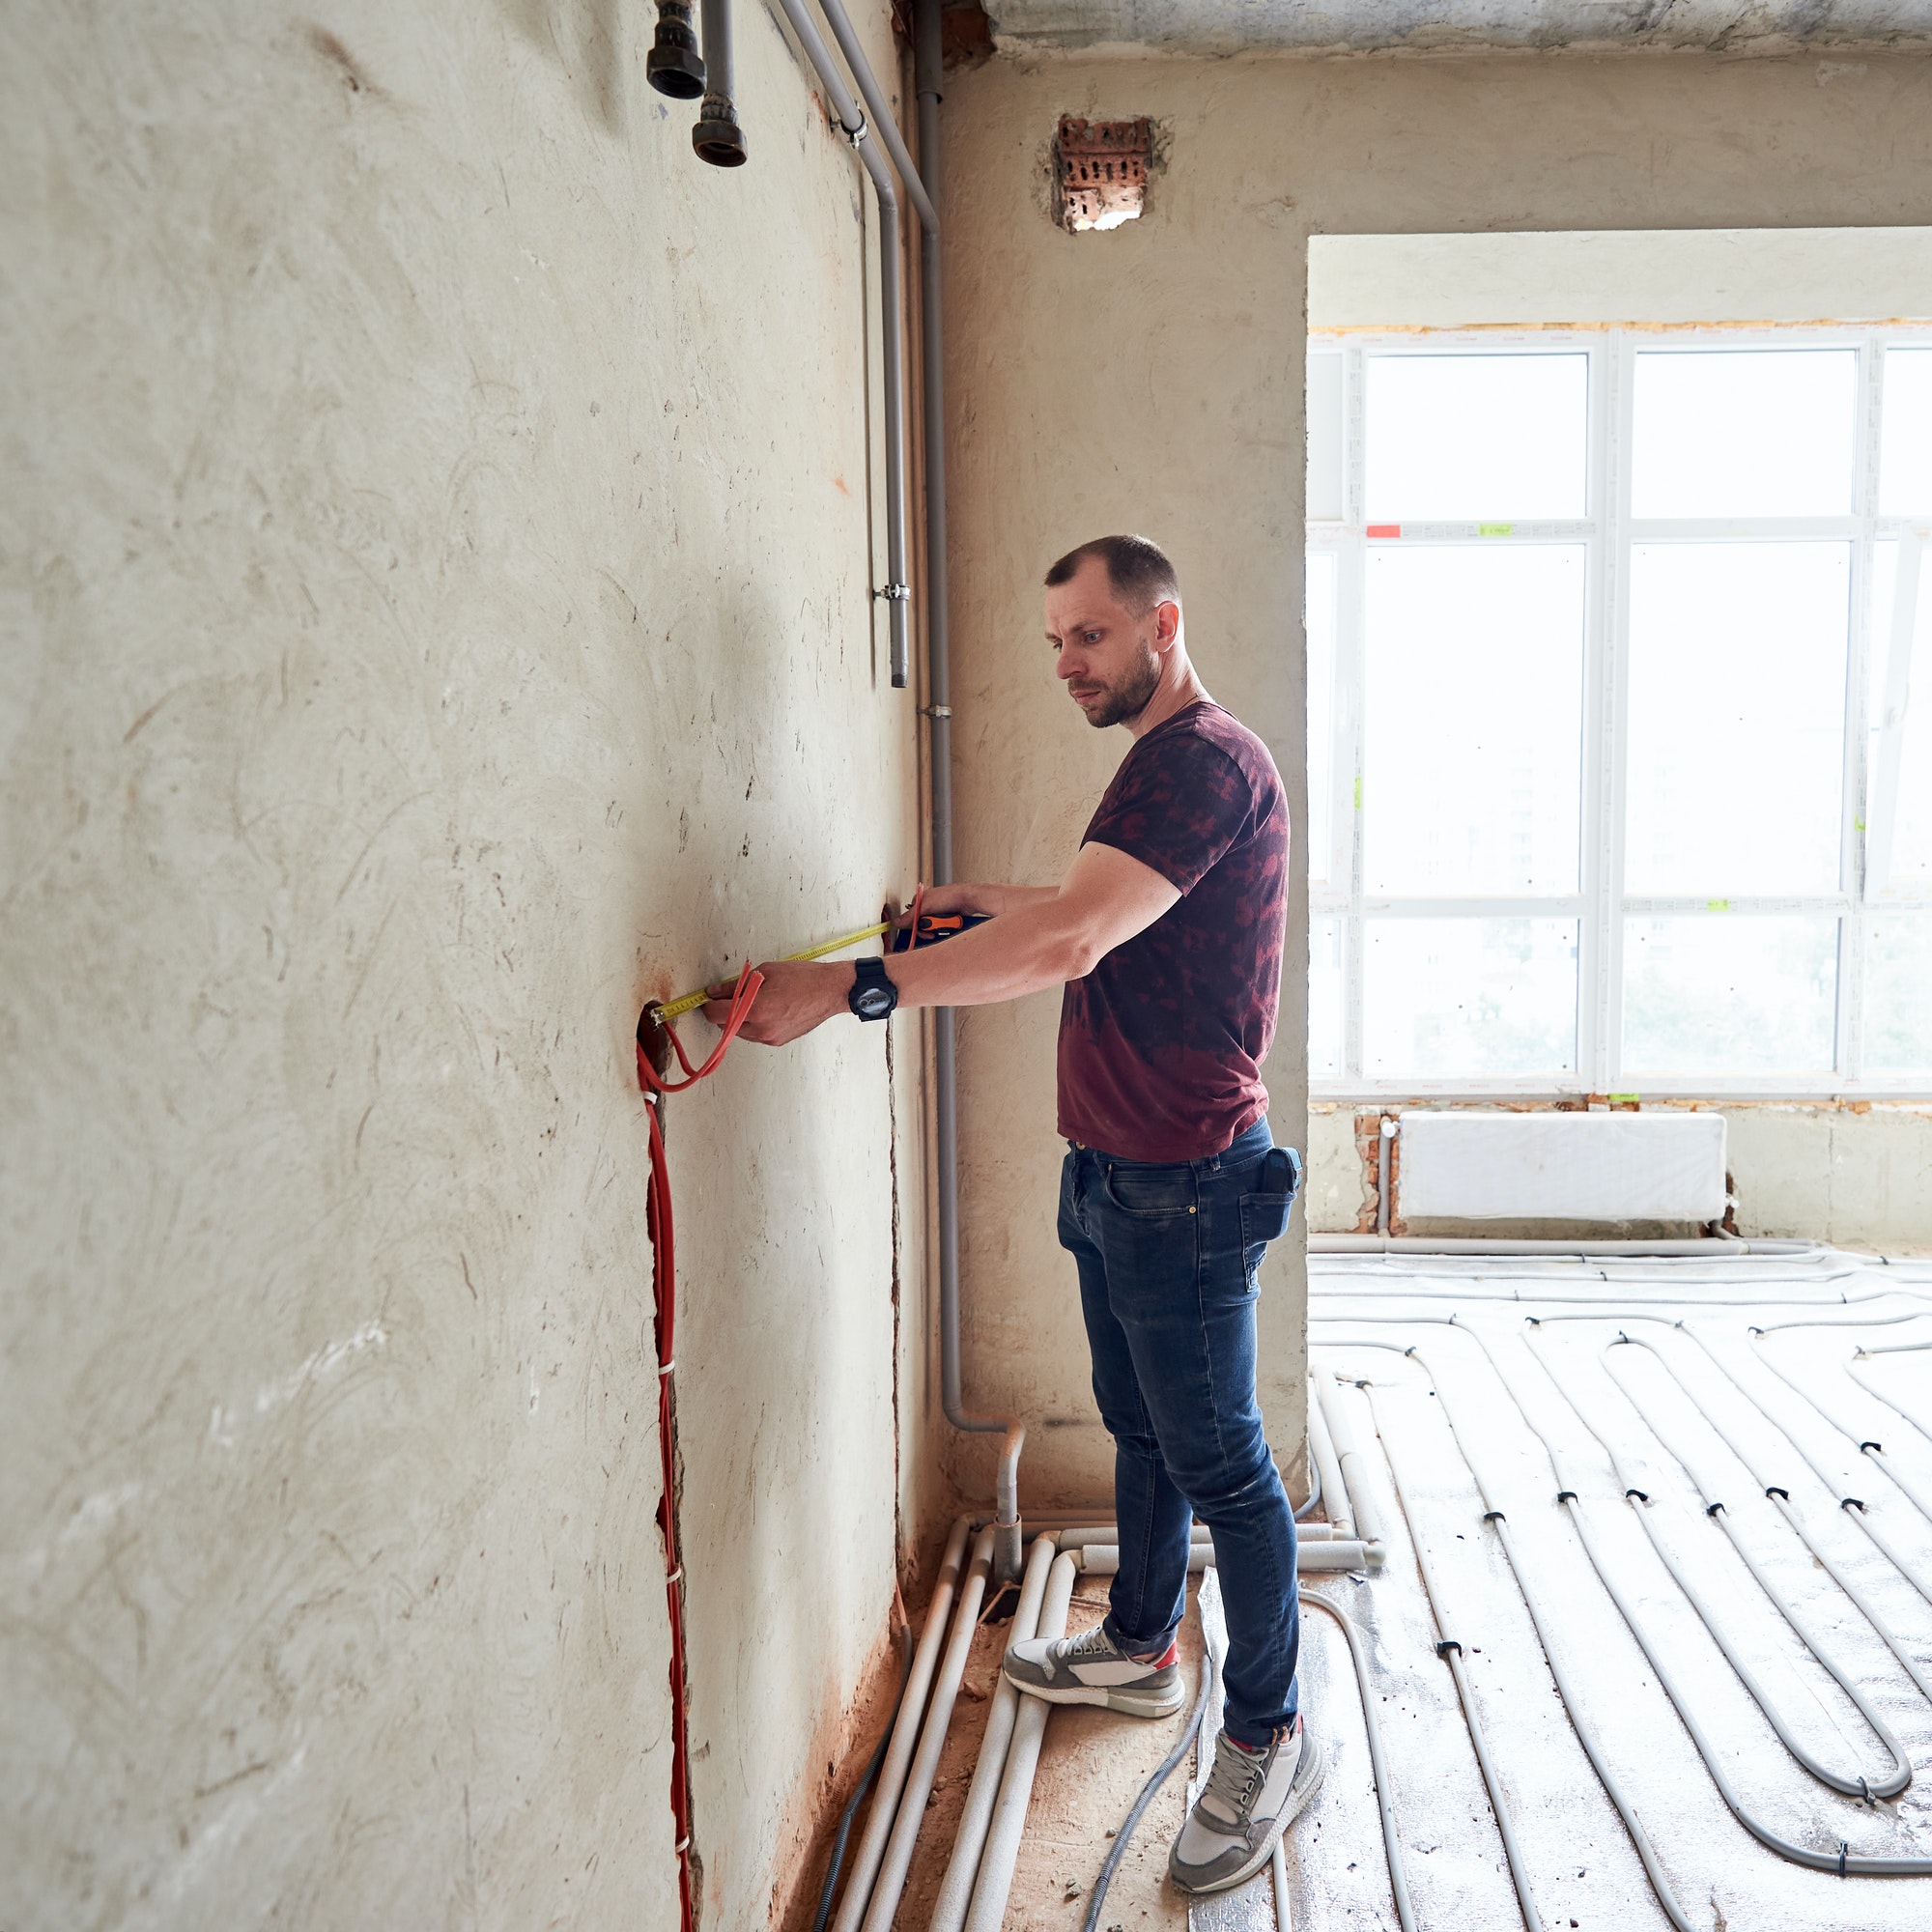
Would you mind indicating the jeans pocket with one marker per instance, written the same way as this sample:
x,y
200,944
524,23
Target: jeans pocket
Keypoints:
x,y
1264,1213
1151,1193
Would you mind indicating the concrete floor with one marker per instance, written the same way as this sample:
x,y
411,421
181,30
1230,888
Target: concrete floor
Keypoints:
x,y
1583,1872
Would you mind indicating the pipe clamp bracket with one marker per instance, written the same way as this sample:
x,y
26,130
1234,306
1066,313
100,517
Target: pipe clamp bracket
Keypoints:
x,y
935,711
855,134
894,593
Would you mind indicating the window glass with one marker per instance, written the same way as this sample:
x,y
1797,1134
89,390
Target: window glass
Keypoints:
x,y
1736,717
1899,994
1898,787
1467,439
1458,997
1744,433
1318,621
1325,501
1472,779
1730,994
1324,999
1905,435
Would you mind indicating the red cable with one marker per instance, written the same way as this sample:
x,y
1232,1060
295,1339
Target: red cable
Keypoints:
x,y
664,1295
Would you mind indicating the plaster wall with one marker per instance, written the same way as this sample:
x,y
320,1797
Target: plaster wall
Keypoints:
x,y
436,537
1150,378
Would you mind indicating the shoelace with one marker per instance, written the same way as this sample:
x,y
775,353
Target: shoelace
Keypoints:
x,y
1233,1780
1094,1642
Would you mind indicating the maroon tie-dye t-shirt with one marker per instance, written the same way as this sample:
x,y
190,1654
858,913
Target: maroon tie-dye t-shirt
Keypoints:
x,y
1162,1043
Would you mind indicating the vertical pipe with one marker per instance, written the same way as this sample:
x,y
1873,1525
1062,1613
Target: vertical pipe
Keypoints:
x,y
929,76
717,137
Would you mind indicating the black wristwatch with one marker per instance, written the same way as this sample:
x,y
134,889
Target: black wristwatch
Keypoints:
x,y
873,996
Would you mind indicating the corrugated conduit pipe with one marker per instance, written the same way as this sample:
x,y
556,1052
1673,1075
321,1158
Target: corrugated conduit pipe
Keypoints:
x,y
1539,1621
1845,1862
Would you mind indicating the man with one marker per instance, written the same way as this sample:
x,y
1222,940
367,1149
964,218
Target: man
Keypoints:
x,y
1167,933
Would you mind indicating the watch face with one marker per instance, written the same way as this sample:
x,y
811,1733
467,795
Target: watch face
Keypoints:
x,y
872,1003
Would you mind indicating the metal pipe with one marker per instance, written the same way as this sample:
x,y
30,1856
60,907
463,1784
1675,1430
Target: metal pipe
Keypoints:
x,y
917,190
718,137
674,65
955,1889
852,123
905,1733
897,1861
995,1883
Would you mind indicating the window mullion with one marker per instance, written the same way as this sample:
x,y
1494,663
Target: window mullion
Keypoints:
x,y
1611,693
1351,693
1855,800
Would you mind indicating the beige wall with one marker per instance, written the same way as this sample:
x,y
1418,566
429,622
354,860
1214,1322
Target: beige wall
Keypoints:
x,y
436,561
1150,378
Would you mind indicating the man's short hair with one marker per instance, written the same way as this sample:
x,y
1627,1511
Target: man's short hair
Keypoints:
x,y
1138,570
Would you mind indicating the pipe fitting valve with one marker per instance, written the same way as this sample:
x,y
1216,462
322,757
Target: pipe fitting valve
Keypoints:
x,y
674,65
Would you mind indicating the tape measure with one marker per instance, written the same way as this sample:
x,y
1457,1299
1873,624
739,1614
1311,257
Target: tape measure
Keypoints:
x,y
931,928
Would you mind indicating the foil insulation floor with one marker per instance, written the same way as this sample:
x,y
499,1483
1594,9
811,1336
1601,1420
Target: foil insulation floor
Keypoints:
x,y
1523,1357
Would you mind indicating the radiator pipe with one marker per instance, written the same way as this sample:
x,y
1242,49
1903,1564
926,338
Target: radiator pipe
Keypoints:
x,y
717,137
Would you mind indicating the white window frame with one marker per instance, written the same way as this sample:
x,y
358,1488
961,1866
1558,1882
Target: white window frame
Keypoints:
x,y
1607,531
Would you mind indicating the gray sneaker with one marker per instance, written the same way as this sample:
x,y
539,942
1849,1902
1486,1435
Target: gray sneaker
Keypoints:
x,y
1249,1800
1090,1670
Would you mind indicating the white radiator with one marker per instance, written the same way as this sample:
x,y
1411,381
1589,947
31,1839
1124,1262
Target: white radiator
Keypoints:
x,y
1561,1167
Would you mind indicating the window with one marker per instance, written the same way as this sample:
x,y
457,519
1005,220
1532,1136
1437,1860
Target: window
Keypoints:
x,y
1620,711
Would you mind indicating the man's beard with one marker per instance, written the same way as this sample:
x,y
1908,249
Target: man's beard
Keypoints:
x,y
1128,698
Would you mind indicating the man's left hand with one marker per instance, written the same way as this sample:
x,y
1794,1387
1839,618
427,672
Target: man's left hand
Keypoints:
x,y
798,995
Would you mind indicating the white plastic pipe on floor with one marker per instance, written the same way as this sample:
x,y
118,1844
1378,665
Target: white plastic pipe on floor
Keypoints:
x,y
1354,1471
897,1858
1103,1559
955,1889
1002,1850
1715,1248
1334,1492
905,1734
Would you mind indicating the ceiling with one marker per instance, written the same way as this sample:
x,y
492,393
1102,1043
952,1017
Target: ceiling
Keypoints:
x,y
1228,27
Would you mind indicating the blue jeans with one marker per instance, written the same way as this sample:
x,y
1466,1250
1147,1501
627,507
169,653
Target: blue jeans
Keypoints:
x,y
1167,1253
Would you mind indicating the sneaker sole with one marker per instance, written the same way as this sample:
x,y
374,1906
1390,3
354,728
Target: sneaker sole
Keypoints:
x,y
1123,1701
1298,1795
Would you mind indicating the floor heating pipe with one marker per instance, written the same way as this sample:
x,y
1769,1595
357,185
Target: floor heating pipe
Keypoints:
x,y
1715,1510
1774,1492
1844,1862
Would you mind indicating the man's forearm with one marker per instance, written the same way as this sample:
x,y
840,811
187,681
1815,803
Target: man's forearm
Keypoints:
x,y
1032,945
